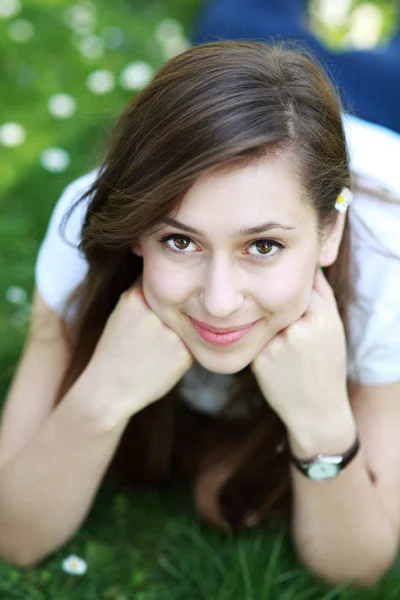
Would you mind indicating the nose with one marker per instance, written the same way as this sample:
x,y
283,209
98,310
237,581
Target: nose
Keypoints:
x,y
221,293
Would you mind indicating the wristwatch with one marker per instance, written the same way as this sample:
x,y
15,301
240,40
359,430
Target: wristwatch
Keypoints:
x,y
326,466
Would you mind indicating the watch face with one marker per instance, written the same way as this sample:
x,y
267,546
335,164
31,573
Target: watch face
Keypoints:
x,y
320,471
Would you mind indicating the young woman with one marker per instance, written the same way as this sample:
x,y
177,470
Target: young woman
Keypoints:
x,y
182,327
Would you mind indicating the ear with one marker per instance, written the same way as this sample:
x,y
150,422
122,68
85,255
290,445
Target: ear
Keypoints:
x,y
137,249
331,242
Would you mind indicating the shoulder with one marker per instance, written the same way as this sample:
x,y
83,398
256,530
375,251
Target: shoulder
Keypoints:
x,y
60,266
71,193
65,225
374,318
373,153
82,183
375,212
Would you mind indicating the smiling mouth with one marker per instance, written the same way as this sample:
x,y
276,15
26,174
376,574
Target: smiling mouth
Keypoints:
x,y
218,338
220,330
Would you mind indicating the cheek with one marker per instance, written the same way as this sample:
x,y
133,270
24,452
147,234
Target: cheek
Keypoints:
x,y
165,284
288,292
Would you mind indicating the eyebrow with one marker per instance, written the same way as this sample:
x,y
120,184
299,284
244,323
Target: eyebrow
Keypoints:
x,y
239,233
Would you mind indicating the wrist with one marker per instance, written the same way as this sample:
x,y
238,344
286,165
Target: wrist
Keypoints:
x,y
103,407
327,435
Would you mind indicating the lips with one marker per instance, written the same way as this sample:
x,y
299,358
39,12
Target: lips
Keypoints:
x,y
218,338
222,330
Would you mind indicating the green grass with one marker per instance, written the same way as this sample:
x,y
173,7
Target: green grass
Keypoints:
x,y
139,544
150,545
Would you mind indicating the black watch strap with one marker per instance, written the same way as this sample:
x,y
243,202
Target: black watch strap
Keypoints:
x,y
340,459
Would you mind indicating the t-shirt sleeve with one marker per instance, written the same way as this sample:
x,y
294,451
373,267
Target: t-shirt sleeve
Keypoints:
x,y
373,356
60,266
374,312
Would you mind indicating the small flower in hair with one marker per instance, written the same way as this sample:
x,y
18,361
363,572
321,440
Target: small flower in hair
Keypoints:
x,y
344,200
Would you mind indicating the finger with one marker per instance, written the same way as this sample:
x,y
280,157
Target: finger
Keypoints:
x,y
318,295
322,287
323,298
315,305
137,289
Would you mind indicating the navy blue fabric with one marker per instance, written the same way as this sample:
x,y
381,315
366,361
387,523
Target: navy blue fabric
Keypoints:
x,y
368,81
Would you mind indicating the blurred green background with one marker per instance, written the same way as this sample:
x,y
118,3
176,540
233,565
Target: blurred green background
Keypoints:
x,y
67,70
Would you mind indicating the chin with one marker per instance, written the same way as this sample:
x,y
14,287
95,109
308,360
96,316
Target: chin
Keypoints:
x,y
223,364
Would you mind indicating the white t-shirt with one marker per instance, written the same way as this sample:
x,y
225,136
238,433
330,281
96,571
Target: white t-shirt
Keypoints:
x,y
373,354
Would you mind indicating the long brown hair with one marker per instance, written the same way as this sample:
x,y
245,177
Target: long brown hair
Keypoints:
x,y
214,106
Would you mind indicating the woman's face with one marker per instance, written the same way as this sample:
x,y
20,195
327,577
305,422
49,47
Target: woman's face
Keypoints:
x,y
213,272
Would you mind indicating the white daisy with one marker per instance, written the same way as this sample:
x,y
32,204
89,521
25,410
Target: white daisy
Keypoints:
x,y
344,200
174,46
55,159
73,565
170,35
61,106
16,295
167,29
101,81
81,17
136,75
9,8
21,31
12,134
91,46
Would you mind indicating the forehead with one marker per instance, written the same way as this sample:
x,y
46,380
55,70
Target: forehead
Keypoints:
x,y
228,199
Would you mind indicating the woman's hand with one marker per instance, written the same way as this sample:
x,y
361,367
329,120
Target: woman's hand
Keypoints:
x,y
302,370
138,359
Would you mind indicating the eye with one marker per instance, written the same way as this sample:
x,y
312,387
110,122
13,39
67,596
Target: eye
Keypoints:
x,y
181,244
264,247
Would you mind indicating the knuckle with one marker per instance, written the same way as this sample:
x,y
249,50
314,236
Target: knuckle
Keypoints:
x,y
275,349
129,297
152,320
185,358
292,334
297,332
171,344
